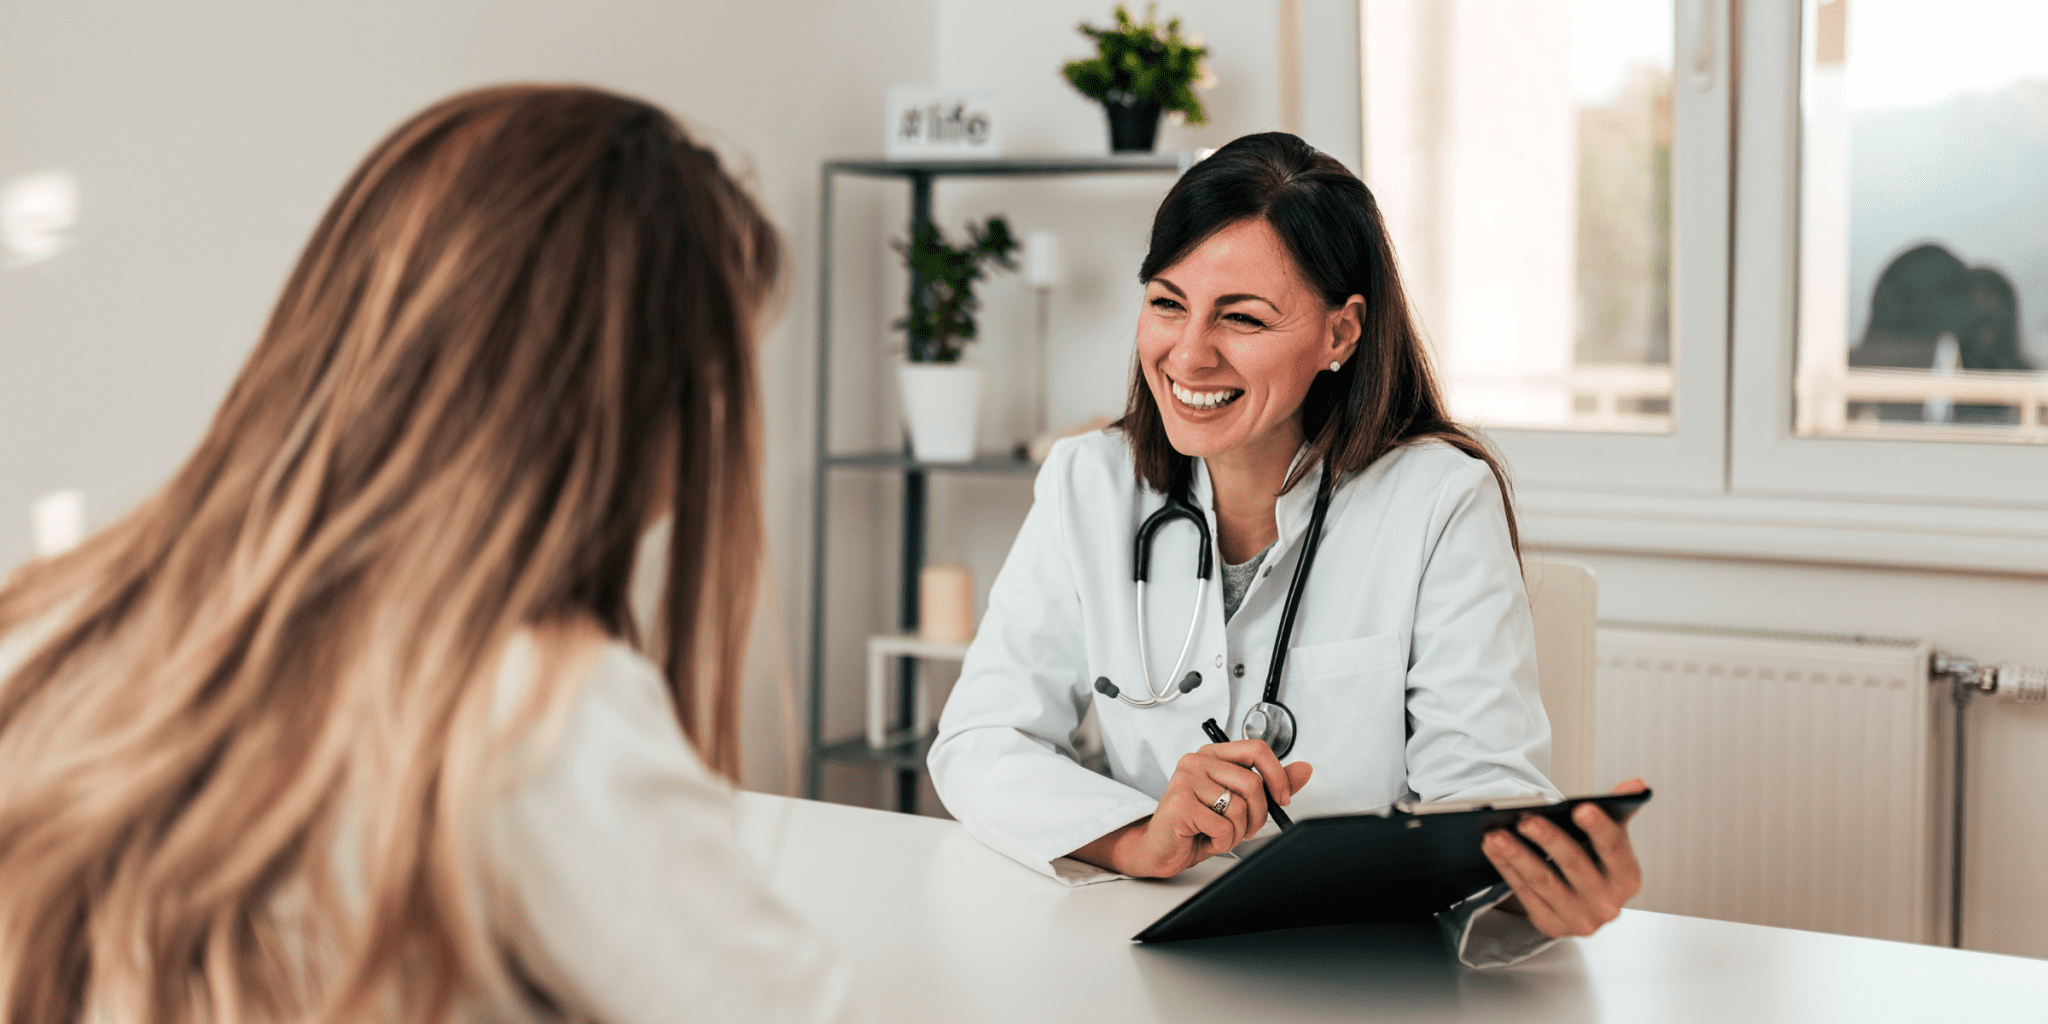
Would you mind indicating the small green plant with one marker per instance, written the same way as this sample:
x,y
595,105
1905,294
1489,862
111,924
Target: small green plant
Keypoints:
x,y
943,324
1137,62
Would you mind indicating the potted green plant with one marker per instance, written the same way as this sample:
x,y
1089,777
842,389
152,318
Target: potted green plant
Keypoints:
x,y
942,396
1140,71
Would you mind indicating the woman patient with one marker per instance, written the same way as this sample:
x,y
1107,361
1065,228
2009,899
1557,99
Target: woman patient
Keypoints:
x,y
353,721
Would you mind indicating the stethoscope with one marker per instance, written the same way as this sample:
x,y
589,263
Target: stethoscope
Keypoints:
x,y
1269,719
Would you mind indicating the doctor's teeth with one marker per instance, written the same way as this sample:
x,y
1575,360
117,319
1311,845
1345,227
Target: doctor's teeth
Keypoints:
x,y
1205,399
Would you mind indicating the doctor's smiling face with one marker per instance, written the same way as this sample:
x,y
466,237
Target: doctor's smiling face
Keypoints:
x,y
1230,339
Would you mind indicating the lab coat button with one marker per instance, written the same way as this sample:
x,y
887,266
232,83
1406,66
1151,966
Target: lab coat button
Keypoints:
x,y
1219,661
1238,671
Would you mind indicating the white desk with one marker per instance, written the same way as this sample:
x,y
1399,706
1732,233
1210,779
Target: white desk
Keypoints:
x,y
940,928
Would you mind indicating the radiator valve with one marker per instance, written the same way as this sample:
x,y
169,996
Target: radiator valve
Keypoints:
x,y
2021,684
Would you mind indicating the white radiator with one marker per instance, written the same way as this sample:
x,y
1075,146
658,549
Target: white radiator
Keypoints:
x,y
1801,781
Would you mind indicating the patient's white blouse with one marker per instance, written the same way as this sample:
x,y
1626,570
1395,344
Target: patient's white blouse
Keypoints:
x,y
634,900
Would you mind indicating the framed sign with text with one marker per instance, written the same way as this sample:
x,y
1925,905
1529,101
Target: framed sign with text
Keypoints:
x,y
940,123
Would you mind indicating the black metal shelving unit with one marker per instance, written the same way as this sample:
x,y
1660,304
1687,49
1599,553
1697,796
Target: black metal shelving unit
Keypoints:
x,y
906,759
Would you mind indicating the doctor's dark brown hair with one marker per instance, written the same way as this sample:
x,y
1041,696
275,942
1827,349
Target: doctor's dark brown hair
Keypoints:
x,y
247,745
1386,395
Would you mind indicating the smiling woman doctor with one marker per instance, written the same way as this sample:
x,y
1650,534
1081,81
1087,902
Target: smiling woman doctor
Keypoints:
x,y
1275,352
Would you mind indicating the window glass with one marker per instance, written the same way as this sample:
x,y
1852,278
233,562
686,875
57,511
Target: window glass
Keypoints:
x,y
1522,154
1923,286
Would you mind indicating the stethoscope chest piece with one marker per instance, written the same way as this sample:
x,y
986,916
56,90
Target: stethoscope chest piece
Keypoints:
x,y
1270,720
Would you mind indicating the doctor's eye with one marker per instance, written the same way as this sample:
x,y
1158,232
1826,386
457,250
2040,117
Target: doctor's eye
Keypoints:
x,y
1164,304
1246,320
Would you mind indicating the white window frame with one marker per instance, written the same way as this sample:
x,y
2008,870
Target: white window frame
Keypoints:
x,y
1767,458
1691,459
1733,481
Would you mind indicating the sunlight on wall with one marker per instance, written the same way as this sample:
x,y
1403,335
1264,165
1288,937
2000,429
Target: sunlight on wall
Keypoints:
x,y
37,213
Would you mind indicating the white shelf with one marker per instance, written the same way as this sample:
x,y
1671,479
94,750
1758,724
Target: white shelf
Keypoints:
x,y
881,650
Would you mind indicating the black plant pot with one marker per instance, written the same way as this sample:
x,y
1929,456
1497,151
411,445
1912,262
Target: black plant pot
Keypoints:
x,y
1133,124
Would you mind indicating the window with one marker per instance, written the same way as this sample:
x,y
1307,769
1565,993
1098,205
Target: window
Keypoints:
x,y
1540,166
1527,153
1803,315
1875,226
1923,287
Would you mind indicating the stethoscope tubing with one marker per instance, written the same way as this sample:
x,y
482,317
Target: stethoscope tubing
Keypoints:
x,y
1178,507
1285,635
1187,649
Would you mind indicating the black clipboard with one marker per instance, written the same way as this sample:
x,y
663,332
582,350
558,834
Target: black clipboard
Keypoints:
x,y
1396,867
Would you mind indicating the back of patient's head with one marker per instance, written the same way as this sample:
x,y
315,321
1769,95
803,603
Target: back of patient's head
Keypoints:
x,y
520,334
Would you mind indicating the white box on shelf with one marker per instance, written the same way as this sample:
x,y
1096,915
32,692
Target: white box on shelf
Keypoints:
x,y
881,650
928,122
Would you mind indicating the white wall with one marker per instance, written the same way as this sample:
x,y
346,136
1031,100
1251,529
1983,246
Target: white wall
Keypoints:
x,y
207,138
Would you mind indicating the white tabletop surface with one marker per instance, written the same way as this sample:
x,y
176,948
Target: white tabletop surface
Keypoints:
x,y
940,928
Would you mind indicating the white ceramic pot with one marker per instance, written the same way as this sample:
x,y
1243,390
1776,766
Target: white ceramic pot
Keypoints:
x,y
942,403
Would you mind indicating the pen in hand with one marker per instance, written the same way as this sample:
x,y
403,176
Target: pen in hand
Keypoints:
x,y
1216,735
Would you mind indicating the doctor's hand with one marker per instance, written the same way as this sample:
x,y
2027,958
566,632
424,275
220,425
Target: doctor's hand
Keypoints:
x,y
1588,895
1186,829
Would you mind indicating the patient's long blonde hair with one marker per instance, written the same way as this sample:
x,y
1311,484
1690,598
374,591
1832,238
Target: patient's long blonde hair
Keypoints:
x,y
523,324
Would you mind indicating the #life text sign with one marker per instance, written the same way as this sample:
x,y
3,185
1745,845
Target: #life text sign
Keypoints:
x,y
934,123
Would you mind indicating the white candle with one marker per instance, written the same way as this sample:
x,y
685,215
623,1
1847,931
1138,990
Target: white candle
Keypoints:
x,y
945,605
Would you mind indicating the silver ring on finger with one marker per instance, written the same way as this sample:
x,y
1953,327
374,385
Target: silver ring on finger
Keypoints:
x,y
1222,803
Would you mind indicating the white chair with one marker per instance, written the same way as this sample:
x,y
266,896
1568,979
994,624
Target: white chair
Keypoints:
x,y
1563,596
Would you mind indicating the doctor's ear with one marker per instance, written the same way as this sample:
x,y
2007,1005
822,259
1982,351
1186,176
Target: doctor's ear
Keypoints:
x,y
1347,325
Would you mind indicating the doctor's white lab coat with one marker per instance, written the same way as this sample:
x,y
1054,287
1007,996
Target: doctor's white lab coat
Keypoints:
x,y
1413,666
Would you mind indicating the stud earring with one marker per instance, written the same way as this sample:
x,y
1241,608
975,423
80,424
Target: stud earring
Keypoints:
x,y
1335,366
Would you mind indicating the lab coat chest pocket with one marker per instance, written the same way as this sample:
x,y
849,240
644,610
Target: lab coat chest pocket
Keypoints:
x,y
1350,704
